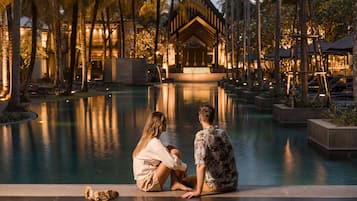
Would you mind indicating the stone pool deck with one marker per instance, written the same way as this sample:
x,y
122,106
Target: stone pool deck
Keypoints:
x,y
129,192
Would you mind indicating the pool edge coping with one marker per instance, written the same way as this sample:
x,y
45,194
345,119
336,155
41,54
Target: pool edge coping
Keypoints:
x,y
130,190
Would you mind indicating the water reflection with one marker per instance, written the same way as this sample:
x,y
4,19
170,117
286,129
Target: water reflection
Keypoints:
x,y
90,140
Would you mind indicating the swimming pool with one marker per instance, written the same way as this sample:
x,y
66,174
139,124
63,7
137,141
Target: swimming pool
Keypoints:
x,y
90,140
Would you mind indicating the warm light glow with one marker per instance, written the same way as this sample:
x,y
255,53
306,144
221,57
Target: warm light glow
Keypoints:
x,y
165,66
44,39
43,120
288,161
192,95
320,172
197,70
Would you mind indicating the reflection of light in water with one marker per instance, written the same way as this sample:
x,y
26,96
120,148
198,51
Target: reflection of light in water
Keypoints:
x,y
168,104
44,125
221,105
43,115
6,149
196,94
225,107
320,173
97,128
288,161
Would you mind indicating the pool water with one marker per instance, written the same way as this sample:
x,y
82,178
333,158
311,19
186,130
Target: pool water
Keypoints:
x,y
90,140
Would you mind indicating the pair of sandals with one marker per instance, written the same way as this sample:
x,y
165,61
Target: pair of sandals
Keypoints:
x,y
107,195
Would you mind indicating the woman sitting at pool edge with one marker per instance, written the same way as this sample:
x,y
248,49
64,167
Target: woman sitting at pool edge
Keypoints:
x,y
153,162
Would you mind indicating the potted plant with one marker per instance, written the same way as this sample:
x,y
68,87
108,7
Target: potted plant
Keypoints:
x,y
337,131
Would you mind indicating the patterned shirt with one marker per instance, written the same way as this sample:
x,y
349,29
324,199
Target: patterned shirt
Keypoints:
x,y
214,150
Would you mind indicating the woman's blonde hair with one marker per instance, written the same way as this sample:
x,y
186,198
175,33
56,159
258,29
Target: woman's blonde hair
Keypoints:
x,y
154,126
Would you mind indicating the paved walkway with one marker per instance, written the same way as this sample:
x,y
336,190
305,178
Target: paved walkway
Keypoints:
x,y
129,192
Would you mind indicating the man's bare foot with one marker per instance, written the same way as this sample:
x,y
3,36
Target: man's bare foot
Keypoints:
x,y
178,186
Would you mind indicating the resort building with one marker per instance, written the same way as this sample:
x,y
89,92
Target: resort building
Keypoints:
x,y
196,42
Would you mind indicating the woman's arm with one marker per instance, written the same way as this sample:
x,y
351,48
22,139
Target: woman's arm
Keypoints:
x,y
171,161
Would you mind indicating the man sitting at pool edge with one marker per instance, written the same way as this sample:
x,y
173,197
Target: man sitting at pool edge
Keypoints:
x,y
216,170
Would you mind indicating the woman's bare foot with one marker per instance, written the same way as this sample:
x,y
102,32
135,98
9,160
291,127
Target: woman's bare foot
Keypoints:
x,y
178,186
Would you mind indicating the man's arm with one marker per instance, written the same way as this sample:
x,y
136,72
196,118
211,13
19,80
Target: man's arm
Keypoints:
x,y
200,174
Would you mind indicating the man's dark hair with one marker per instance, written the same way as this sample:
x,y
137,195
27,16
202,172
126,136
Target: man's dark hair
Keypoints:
x,y
207,113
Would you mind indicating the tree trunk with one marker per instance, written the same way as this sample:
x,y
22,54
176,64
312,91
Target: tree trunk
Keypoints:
x,y
109,33
238,37
4,53
9,58
226,36
133,11
233,38
73,47
157,30
244,40
14,102
168,36
303,67
94,17
58,49
249,68
277,46
104,37
259,46
122,30
355,54
84,86
33,50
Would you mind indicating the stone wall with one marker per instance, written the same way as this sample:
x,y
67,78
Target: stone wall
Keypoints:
x,y
128,71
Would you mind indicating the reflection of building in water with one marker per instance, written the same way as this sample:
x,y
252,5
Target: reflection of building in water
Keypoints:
x,y
99,128
225,103
162,98
171,98
192,94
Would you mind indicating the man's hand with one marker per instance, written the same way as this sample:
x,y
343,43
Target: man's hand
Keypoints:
x,y
191,194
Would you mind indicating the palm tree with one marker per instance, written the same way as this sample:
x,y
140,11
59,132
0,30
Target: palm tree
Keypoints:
x,y
14,102
157,29
133,10
122,29
249,72
57,38
303,68
94,17
355,54
245,26
259,45
28,75
82,24
4,45
9,28
277,46
238,6
73,46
